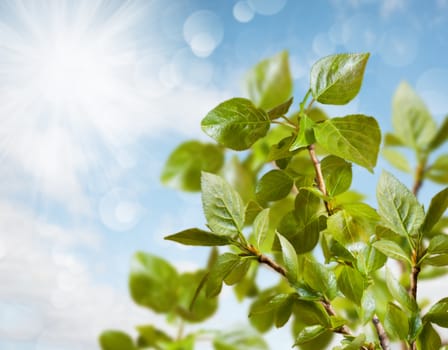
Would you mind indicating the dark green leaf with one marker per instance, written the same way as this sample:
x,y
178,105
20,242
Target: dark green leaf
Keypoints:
x,y
398,207
438,313
438,171
415,327
411,119
355,138
151,336
397,159
269,83
309,333
152,282
429,338
219,271
236,123
337,79
352,284
396,322
273,186
183,168
195,236
436,209
289,258
399,293
116,340
391,249
305,137
223,206
441,136
280,110
337,174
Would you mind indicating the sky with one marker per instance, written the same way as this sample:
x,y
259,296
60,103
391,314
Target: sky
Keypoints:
x,y
95,94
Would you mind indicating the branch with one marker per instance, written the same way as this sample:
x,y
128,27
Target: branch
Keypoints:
x,y
382,336
319,176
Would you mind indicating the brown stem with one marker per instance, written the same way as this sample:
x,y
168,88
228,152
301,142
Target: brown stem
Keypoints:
x,y
382,336
330,311
418,177
271,263
414,276
319,176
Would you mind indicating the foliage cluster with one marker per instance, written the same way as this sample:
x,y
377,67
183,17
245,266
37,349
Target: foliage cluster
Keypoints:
x,y
287,204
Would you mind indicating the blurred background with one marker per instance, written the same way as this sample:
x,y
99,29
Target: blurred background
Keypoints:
x,y
95,94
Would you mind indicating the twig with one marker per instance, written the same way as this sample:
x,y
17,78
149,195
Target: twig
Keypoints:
x,y
319,176
382,336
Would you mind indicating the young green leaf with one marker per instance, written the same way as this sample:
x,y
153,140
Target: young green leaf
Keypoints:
x,y
305,137
320,278
219,271
280,110
269,83
356,343
398,207
284,310
438,313
261,229
239,340
368,306
335,250
438,171
183,168
397,159
352,284
337,79
309,333
370,259
238,272
150,336
399,293
429,338
355,138
436,209
411,119
116,340
273,186
441,136
223,206
236,123
195,236
152,282
391,249
289,258
436,260
396,322
438,244
337,174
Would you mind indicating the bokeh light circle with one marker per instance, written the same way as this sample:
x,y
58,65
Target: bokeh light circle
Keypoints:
x,y
399,47
322,45
120,210
243,12
203,31
360,34
189,71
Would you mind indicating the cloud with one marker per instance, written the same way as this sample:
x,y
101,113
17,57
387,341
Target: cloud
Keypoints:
x,y
389,7
48,296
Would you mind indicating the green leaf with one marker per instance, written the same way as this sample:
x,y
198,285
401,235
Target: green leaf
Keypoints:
x,y
438,171
429,338
219,271
317,114
319,278
436,209
280,110
355,138
399,293
438,313
368,306
289,258
223,206
411,119
151,336
239,340
284,310
356,343
116,340
337,174
335,250
236,123
198,237
438,244
351,283
269,83
305,137
398,207
441,136
309,333
392,140
437,260
261,229
183,168
238,272
152,282
392,250
397,159
273,186
396,322
186,343
337,79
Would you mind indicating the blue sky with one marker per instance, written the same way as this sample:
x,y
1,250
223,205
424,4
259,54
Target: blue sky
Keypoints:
x,y
95,95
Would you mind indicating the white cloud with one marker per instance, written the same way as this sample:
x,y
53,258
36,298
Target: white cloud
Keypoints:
x,y
47,295
389,7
